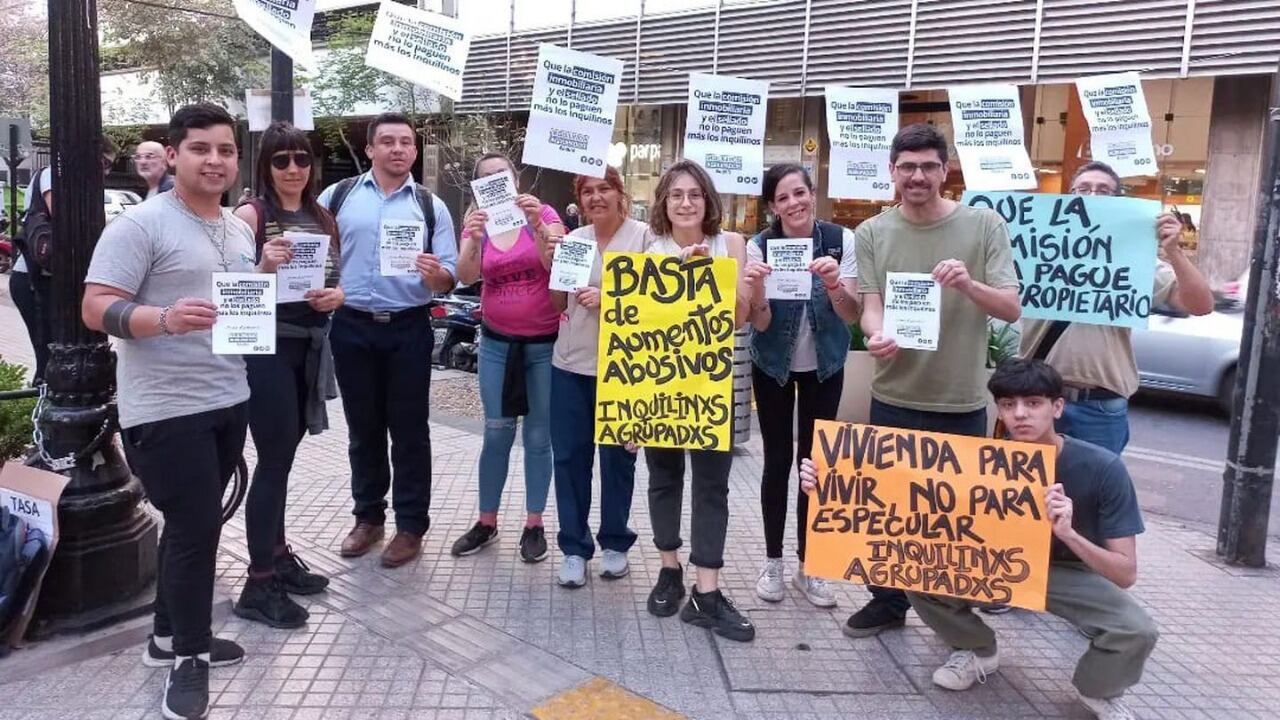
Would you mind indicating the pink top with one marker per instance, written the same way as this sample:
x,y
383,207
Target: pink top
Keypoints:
x,y
515,299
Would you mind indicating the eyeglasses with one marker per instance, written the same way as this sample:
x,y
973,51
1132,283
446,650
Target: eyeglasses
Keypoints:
x,y
145,156
694,197
107,162
908,169
1087,189
301,158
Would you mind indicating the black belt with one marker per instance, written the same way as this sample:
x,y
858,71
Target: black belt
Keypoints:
x,y
1076,394
382,317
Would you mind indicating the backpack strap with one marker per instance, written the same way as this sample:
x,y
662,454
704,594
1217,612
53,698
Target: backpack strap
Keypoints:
x,y
340,193
1051,336
427,202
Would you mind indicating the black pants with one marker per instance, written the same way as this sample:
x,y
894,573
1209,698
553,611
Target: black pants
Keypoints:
x,y
30,295
278,384
184,464
710,501
775,407
965,423
384,375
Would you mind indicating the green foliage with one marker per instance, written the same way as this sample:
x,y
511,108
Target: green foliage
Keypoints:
x,y
15,415
1003,341
194,57
24,64
857,341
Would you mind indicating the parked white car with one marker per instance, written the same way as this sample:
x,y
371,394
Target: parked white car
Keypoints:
x,y
1193,355
114,202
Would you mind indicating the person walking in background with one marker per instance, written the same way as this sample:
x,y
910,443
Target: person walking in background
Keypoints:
x,y
685,222
520,328
798,351
152,166
288,390
967,250
382,338
573,385
571,219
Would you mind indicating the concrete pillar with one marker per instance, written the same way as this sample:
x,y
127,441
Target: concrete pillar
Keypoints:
x,y
1230,205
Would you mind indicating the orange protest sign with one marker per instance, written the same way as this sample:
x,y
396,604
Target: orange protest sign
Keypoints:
x,y
931,513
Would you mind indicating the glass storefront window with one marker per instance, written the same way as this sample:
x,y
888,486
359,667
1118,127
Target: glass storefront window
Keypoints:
x,y
637,153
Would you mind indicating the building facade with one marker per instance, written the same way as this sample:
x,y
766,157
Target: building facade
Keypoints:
x,y
1207,68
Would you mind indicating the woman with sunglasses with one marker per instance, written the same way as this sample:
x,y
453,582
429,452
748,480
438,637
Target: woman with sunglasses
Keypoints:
x,y
520,327
288,389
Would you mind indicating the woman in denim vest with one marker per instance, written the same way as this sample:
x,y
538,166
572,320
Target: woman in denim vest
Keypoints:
x,y
798,349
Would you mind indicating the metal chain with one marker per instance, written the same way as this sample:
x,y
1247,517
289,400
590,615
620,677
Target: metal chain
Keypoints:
x,y
69,460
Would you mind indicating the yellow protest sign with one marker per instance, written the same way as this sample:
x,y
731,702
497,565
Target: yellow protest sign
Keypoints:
x,y
665,375
931,513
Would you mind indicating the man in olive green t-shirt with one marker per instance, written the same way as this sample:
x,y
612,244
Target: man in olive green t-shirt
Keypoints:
x,y
967,251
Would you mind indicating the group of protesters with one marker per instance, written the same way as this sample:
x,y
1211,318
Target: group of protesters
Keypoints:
x,y
185,411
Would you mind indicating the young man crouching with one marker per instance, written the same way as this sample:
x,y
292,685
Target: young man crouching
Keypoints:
x,y
1095,518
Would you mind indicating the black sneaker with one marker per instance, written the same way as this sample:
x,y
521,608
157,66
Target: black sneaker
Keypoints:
x,y
997,609
533,544
664,600
186,690
714,610
295,576
874,618
221,653
474,540
265,601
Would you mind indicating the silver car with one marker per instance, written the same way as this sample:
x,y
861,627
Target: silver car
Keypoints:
x,y
1192,355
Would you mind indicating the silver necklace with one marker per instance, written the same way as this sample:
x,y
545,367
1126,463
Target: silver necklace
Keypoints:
x,y
216,233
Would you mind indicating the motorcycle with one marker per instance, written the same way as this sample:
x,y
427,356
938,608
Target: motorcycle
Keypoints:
x,y
456,321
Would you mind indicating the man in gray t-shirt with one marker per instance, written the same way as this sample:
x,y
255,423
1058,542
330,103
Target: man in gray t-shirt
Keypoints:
x,y
183,409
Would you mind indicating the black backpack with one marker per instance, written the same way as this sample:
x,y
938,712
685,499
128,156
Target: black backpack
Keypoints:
x,y
35,242
343,189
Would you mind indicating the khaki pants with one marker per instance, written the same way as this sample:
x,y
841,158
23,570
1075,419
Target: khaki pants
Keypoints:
x,y
1122,633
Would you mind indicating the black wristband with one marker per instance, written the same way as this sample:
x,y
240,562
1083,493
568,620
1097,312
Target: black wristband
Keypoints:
x,y
115,319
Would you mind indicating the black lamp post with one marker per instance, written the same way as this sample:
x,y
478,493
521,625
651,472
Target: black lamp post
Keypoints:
x,y
106,555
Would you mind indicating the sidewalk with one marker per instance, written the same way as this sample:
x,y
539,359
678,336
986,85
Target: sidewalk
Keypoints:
x,y
490,637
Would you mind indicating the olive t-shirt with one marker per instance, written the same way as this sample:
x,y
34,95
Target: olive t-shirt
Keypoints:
x,y
1097,356
953,377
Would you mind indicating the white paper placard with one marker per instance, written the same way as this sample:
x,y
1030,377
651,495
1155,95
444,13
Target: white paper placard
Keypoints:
x,y
246,323
1119,122
574,259
861,123
399,244
789,277
988,136
425,48
257,104
912,310
306,271
496,195
286,24
575,98
724,130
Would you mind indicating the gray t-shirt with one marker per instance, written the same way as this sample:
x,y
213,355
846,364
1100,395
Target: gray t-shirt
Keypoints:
x,y
159,253
1105,503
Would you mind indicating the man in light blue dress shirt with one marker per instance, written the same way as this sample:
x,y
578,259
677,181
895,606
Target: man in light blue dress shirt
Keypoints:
x,y
395,259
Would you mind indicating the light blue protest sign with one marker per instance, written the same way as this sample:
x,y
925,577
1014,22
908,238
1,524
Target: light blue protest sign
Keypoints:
x,y
1083,258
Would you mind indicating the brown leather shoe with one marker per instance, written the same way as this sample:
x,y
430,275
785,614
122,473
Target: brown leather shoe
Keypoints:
x,y
403,547
361,539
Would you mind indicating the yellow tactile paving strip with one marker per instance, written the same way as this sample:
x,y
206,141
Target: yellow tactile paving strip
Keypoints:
x,y
599,699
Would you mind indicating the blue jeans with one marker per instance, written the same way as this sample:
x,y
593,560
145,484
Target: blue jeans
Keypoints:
x,y
500,432
573,443
1104,423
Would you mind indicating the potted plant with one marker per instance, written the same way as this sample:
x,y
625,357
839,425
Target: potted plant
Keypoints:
x,y
1003,342
15,415
855,398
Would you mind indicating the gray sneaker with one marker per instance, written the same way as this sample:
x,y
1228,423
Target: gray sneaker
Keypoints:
x,y
573,571
815,590
613,565
770,586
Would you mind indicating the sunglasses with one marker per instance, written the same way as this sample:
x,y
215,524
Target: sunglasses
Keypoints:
x,y
280,160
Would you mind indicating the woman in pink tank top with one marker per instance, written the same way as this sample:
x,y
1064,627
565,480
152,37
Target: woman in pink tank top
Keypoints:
x,y
519,332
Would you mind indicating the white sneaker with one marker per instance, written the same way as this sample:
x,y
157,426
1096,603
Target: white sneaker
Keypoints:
x,y
1107,708
963,668
771,587
613,565
573,571
815,590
